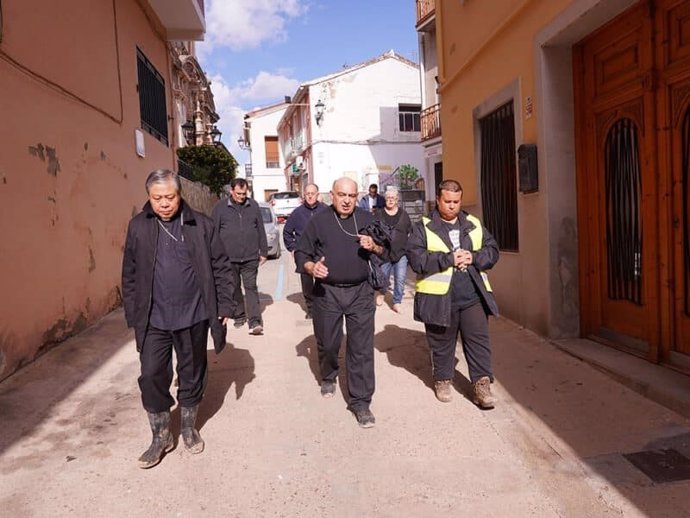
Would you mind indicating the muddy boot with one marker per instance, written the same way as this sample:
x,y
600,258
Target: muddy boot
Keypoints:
x,y
162,440
190,436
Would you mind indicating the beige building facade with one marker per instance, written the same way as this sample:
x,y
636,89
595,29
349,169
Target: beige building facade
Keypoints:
x,y
568,124
88,110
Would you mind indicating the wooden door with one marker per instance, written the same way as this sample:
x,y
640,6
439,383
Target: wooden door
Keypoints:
x,y
617,182
672,25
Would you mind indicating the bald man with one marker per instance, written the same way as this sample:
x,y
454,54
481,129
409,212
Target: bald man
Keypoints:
x,y
335,252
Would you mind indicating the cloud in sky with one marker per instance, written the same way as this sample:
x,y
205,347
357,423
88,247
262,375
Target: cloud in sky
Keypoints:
x,y
239,25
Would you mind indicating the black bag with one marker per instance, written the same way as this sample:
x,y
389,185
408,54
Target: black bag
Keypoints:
x,y
376,277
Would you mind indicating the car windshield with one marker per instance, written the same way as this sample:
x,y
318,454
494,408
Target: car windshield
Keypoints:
x,y
266,214
285,195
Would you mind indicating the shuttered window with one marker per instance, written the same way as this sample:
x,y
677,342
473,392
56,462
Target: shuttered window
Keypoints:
x,y
272,156
499,176
152,105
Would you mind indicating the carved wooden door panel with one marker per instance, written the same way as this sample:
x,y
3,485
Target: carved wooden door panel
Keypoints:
x,y
672,25
617,184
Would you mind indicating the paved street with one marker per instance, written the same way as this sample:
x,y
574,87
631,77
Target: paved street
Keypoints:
x,y
73,427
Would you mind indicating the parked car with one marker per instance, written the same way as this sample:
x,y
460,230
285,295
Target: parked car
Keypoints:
x,y
284,203
272,230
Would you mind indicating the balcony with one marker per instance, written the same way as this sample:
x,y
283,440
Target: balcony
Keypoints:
x,y
426,14
184,20
431,122
248,170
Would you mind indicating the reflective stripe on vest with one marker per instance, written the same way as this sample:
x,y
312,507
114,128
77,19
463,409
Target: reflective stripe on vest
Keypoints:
x,y
439,283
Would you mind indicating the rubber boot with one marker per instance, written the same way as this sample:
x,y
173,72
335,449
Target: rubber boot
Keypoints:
x,y
162,441
190,436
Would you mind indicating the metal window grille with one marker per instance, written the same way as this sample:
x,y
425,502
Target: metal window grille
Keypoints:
x,y
499,176
408,117
152,104
623,216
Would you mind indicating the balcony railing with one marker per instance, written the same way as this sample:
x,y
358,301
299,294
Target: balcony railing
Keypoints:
x,y
248,170
425,9
431,122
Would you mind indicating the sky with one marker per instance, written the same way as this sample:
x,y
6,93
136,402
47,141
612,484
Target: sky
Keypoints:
x,y
256,52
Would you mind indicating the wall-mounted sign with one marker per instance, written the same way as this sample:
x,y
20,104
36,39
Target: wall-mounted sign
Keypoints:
x,y
139,142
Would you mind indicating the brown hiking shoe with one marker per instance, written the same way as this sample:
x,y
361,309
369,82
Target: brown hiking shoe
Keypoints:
x,y
442,389
482,393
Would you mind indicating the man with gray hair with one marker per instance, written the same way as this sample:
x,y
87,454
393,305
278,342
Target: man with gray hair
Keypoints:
x,y
176,284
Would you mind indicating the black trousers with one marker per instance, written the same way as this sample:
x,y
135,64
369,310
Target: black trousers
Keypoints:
x,y
307,289
473,325
354,304
246,272
156,366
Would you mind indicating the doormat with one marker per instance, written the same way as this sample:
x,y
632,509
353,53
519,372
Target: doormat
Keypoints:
x,y
661,465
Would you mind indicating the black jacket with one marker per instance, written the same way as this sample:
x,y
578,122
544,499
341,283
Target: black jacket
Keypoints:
x,y
436,309
297,222
211,266
241,229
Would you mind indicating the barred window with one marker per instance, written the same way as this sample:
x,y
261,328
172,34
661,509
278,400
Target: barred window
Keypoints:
x,y
499,176
152,105
408,115
272,156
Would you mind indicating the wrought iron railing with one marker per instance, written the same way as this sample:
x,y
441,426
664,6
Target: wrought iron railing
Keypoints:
x,y
248,170
185,170
431,122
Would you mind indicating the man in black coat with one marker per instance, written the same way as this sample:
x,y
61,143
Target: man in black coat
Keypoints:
x,y
335,250
176,284
239,224
294,228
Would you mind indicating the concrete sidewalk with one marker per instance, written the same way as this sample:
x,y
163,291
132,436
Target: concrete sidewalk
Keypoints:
x,y
73,427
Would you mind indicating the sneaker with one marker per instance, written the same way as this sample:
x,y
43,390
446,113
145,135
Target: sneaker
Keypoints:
x,y
327,388
482,396
397,308
379,299
442,390
365,419
240,322
258,329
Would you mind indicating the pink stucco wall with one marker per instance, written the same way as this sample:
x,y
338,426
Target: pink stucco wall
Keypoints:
x,y
70,178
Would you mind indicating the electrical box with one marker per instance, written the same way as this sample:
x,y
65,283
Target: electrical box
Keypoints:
x,y
527,168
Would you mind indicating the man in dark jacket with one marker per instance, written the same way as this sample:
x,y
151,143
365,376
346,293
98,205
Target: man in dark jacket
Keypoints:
x,y
450,253
372,201
294,228
176,283
239,223
336,251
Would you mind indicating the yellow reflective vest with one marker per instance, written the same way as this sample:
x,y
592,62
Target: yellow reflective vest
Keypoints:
x,y
439,283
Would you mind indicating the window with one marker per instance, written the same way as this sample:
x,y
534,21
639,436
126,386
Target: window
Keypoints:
x,y
152,105
499,176
272,156
408,116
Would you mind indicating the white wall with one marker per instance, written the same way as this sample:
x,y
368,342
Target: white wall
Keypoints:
x,y
263,124
359,135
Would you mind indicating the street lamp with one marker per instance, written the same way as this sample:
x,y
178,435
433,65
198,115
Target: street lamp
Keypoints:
x,y
215,135
319,107
244,145
189,132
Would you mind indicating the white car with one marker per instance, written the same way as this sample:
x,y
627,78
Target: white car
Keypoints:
x,y
284,203
272,230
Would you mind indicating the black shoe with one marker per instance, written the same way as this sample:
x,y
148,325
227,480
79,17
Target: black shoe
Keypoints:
x,y
327,388
365,419
240,322
258,329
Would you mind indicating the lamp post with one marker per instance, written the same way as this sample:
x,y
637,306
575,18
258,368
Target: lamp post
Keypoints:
x,y
244,145
189,132
215,135
318,115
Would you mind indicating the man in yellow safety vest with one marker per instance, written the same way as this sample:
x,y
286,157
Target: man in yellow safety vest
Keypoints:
x,y
450,253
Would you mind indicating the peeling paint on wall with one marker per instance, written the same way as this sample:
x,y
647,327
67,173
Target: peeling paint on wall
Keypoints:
x,y
567,267
92,261
44,153
63,329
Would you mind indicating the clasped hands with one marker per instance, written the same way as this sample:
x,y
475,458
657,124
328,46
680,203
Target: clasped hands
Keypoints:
x,y
462,259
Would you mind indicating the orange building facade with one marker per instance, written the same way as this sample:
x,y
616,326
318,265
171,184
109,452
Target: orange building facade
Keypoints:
x,y
568,124
88,111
